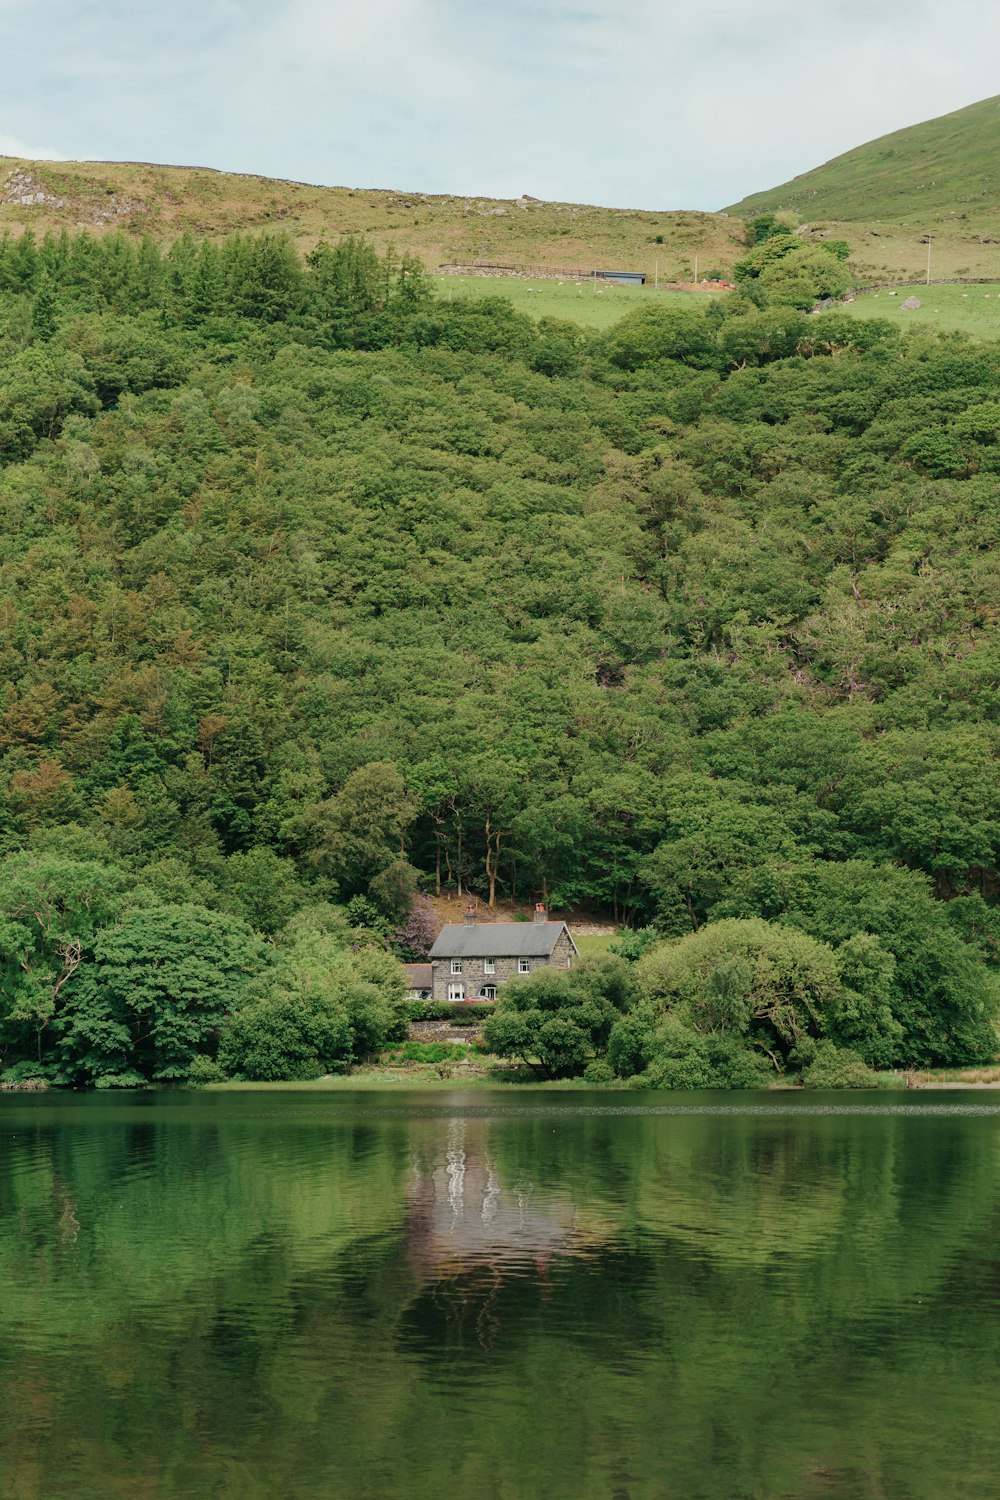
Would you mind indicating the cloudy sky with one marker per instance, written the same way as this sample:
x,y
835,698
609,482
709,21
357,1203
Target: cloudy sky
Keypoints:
x,y
644,103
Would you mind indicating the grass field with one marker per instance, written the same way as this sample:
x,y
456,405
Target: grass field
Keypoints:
x,y
969,309
591,944
570,300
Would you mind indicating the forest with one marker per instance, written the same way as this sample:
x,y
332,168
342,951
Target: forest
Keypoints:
x,y
317,592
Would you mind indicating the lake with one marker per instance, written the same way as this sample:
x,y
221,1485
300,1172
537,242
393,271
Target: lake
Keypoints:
x,y
499,1295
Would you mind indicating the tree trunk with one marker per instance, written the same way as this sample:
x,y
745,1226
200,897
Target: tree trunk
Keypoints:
x,y
493,841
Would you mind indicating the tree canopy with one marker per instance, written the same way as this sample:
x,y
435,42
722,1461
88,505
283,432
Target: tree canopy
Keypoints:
x,y
316,589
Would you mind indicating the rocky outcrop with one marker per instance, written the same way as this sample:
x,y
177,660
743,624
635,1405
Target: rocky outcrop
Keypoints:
x,y
26,191
94,207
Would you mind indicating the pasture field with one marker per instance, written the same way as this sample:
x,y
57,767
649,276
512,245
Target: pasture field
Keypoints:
x,y
967,309
574,301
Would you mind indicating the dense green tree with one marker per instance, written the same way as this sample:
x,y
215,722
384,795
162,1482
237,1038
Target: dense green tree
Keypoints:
x,y
322,1007
156,992
759,980
940,992
52,908
357,835
556,1021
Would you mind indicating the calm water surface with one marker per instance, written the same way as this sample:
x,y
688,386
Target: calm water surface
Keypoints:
x,y
498,1296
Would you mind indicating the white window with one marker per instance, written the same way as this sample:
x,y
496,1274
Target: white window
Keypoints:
x,y
523,966
488,992
456,966
456,992
489,965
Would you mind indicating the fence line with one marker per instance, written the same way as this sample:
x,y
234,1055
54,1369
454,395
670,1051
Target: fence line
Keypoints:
x,y
885,286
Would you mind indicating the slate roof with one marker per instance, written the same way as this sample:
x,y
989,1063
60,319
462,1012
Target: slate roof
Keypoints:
x,y
419,976
498,940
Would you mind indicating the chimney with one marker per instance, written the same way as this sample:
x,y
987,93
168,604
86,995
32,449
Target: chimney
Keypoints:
x,y
470,916
541,915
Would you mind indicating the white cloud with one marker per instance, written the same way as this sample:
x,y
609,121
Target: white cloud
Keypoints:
x,y
404,52
10,145
630,103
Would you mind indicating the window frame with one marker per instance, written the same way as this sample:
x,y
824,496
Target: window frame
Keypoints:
x,y
524,966
456,966
489,965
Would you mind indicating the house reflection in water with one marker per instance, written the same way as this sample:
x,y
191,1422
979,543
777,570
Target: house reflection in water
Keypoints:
x,y
463,1217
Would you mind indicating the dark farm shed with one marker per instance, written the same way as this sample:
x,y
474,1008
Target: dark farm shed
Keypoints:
x,y
630,278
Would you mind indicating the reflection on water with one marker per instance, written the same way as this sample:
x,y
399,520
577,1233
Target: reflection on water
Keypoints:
x,y
545,1296
464,1215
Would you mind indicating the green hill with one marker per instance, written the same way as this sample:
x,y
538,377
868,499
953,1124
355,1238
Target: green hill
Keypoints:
x,y
316,587
940,169
164,202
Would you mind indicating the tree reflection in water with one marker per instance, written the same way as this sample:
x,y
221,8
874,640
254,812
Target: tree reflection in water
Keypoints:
x,y
579,1298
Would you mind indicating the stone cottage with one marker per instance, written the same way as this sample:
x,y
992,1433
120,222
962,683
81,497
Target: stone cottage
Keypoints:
x,y
471,962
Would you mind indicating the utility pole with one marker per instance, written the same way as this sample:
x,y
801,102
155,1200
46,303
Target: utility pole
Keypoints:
x,y
696,269
656,275
928,260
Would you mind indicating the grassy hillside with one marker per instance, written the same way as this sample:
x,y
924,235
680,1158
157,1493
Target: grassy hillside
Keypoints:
x,y
167,201
940,169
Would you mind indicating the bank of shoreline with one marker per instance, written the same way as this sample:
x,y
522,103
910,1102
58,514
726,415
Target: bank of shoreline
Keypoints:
x,y
374,1078
398,1078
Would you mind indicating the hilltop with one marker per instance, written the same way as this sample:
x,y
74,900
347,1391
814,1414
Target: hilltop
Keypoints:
x,y
940,169
939,178
853,198
166,202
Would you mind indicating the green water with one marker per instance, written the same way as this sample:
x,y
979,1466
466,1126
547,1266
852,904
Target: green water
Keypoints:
x,y
499,1296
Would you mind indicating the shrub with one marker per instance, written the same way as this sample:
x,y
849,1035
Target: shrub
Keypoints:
x,y
599,1071
414,937
684,1059
633,942
557,1021
836,1067
205,1069
430,1052
127,1080
468,1013
279,1037
30,1072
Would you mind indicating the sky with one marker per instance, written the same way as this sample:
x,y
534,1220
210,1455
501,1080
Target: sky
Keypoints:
x,y
628,103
